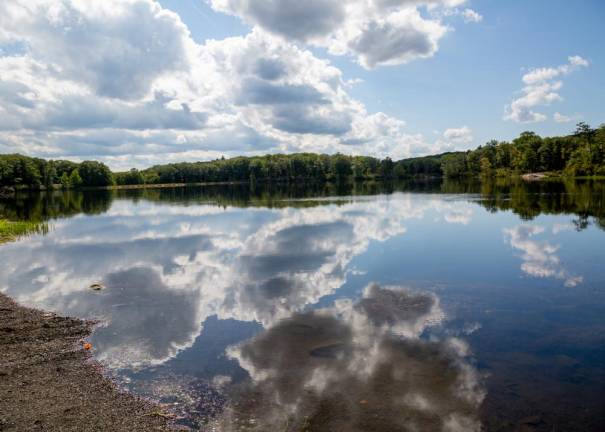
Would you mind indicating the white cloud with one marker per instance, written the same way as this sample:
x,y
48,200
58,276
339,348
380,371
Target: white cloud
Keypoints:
x,y
382,32
561,118
397,38
159,96
578,61
94,43
470,15
541,89
463,135
452,139
298,20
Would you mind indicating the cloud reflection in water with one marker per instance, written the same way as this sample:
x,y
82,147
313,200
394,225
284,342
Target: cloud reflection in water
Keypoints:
x,y
350,368
539,258
195,262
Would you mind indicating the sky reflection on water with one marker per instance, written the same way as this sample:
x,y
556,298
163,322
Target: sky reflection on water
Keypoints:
x,y
212,306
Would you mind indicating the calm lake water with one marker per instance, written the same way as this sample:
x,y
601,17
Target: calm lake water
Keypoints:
x,y
408,307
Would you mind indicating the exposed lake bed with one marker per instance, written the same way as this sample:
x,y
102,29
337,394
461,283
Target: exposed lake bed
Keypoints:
x,y
330,310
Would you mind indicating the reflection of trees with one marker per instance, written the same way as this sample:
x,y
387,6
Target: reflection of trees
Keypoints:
x,y
36,206
356,368
585,199
258,195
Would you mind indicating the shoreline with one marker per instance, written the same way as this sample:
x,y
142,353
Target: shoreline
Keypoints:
x,y
8,191
49,382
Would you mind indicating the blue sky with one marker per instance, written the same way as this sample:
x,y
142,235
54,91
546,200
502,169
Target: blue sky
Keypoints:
x,y
138,82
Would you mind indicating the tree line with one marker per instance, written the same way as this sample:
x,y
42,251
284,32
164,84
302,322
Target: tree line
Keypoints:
x,y
36,173
580,154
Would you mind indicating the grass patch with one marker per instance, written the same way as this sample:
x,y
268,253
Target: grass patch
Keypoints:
x,y
12,230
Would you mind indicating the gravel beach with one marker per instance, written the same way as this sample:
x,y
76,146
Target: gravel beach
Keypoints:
x,y
48,382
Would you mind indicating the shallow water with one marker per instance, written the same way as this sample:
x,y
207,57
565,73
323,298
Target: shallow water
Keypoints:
x,y
432,306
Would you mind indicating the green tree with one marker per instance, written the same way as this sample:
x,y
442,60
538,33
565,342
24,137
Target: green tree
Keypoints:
x,y
341,167
65,181
454,165
386,168
132,177
95,174
583,130
75,180
486,167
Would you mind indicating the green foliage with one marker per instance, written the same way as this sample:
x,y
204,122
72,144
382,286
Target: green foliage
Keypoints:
x,y
274,168
486,167
454,165
132,177
12,230
579,154
583,198
341,167
387,168
95,173
428,166
65,183
75,180
34,173
17,169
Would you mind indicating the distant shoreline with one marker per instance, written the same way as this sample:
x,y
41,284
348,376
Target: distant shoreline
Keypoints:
x,y
120,187
166,185
528,177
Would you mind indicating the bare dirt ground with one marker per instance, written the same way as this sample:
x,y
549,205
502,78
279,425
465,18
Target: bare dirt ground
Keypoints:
x,y
49,383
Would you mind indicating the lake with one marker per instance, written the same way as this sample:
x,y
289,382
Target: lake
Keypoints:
x,y
445,306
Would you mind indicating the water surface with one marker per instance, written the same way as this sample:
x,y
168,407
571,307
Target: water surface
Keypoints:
x,y
431,306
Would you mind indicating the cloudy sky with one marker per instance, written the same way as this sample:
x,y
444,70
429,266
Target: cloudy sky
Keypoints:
x,y
140,82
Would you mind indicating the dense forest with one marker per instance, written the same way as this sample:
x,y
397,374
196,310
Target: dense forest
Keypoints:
x,y
580,154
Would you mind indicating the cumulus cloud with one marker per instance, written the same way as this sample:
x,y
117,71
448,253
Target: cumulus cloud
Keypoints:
x,y
94,44
291,18
542,87
377,33
162,97
451,139
398,38
463,135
